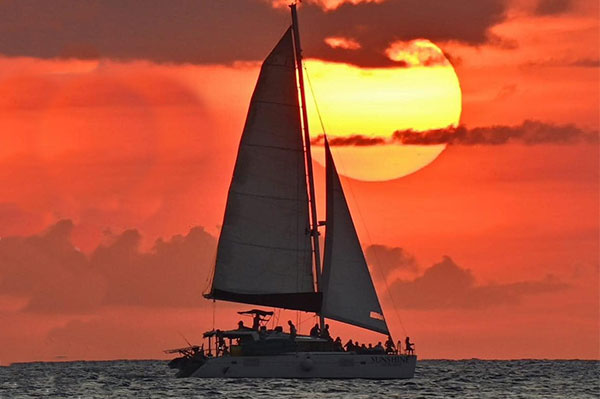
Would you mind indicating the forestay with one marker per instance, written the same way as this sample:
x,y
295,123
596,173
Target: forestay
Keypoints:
x,y
264,250
348,292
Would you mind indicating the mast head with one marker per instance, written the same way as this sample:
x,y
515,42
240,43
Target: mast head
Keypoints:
x,y
293,4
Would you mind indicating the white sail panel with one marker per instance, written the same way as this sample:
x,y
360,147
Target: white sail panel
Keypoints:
x,y
348,292
264,250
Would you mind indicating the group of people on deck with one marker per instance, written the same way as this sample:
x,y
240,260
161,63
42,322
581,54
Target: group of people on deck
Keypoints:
x,y
388,348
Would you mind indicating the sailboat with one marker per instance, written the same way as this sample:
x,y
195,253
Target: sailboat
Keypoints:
x,y
268,251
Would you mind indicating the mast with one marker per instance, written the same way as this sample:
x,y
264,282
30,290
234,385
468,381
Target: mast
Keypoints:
x,y
314,230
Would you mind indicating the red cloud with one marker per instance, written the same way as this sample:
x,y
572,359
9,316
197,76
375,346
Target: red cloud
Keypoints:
x,y
56,277
342,43
446,285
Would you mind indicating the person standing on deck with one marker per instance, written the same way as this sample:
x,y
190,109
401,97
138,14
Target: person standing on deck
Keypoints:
x,y
325,333
409,346
337,345
315,331
349,346
256,322
292,330
389,345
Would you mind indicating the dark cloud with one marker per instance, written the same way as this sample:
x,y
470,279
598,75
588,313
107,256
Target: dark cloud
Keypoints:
x,y
56,277
502,42
223,31
529,132
446,285
562,63
173,273
376,26
354,140
390,258
50,271
553,7
586,63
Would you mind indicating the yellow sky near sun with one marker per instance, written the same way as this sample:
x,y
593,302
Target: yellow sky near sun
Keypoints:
x,y
378,101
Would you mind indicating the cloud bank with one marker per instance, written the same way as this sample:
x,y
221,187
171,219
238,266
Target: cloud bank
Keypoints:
x,y
530,132
446,285
390,258
187,31
56,277
553,7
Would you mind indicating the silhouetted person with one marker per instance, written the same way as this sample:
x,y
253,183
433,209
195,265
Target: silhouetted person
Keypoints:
x,y
349,346
220,343
325,333
409,346
379,348
262,332
389,345
314,332
292,330
337,345
256,322
241,325
370,348
363,348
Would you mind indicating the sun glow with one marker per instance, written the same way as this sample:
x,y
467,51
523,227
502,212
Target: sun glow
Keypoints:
x,y
375,102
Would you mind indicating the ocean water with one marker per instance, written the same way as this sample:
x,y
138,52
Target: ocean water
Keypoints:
x,y
433,379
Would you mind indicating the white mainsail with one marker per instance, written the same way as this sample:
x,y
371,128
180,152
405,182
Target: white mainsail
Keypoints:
x,y
264,250
348,292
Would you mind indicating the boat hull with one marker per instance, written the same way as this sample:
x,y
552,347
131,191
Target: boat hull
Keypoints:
x,y
310,365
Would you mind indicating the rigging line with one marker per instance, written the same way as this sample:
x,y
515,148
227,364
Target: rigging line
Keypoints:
x,y
378,264
312,93
274,318
211,274
300,321
214,312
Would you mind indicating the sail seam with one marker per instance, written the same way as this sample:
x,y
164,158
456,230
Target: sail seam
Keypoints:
x,y
272,147
265,246
276,103
284,66
265,196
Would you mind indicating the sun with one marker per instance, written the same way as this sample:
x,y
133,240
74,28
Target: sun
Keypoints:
x,y
424,93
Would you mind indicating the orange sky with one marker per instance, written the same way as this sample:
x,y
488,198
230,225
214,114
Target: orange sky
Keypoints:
x,y
490,251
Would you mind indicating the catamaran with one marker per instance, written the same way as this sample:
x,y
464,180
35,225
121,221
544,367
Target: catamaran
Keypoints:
x,y
268,251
